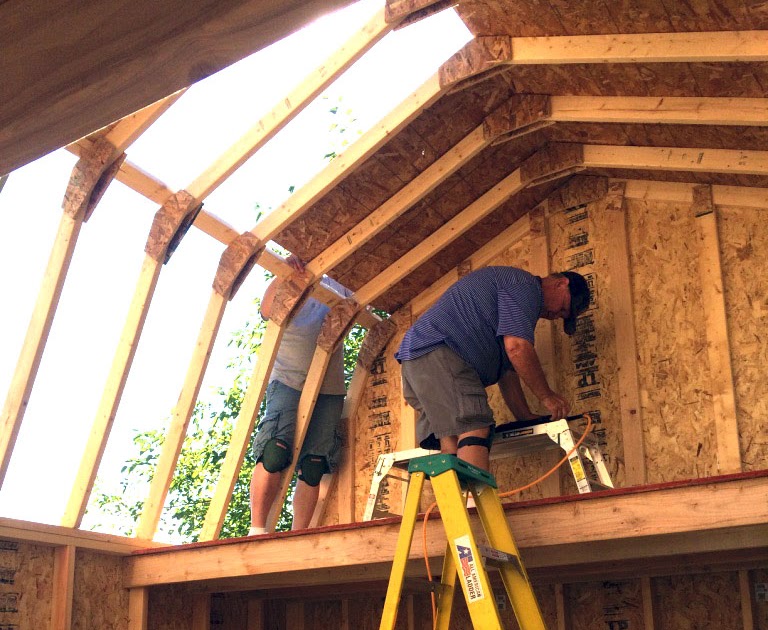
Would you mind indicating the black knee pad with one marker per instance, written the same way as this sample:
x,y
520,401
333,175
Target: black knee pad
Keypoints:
x,y
313,467
276,455
474,441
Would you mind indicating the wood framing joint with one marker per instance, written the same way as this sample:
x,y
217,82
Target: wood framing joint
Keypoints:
x,y
90,177
171,224
576,192
521,114
464,268
614,198
402,12
375,341
477,57
337,323
236,263
553,161
289,297
703,203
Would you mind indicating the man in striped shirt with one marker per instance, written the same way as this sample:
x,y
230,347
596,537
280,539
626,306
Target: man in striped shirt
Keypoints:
x,y
481,332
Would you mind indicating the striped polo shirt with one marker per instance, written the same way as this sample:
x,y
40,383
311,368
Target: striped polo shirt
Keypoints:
x,y
474,315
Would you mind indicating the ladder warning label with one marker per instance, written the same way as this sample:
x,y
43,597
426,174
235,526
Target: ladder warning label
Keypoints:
x,y
468,570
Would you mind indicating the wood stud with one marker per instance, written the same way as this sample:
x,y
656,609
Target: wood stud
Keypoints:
x,y
716,329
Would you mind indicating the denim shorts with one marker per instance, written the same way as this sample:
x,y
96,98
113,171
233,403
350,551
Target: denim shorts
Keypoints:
x,y
447,394
322,437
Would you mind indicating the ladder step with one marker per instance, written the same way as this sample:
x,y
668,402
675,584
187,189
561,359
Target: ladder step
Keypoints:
x,y
497,558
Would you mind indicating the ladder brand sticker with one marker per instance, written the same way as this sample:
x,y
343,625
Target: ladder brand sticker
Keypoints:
x,y
468,569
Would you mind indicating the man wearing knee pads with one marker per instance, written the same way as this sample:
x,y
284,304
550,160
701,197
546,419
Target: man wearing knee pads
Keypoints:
x,y
481,332
273,443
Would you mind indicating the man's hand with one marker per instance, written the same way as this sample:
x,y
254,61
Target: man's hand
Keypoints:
x,y
556,405
296,263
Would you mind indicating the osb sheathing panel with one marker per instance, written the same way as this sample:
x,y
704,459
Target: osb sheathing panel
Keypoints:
x,y
744,250
427,138
99,600
170,608
699,601
545,595
560,17
378,430
760,585
608,604
26,585
446,201
675,384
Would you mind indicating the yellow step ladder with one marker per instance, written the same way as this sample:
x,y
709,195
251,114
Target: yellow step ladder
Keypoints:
x,y
464,558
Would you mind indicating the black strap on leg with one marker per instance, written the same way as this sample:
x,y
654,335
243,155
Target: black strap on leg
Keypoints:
x,y
474,441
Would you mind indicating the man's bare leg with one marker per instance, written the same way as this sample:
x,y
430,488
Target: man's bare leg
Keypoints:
x,y
304,502
264,488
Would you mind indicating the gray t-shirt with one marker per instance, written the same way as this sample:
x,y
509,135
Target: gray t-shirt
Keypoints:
x,y
298,347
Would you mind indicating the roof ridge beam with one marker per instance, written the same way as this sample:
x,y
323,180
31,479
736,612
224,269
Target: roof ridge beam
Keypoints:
x,y
488,52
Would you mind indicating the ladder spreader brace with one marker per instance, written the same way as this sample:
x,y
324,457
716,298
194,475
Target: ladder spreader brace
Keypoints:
x,y
511,439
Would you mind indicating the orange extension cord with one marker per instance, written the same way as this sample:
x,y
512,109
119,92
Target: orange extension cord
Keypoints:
x,y
509,493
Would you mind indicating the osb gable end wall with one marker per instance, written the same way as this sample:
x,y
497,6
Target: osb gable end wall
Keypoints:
x,y
27,585
674,377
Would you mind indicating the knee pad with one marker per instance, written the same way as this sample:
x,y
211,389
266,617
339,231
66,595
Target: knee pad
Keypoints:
x,y
475,441
276,456
313,467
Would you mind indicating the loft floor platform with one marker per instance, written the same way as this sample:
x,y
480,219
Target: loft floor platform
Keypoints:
x,y
686,526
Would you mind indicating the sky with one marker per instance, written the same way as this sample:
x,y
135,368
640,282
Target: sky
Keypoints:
x,y
211,116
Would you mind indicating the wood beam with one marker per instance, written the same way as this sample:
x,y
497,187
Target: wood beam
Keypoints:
x,y
352,157
235,263
49,104
289,107
335,326
683,193
650,606
489,52
57,536
626,529
441,238
288,299
671,110
169,221
540,264
611,208
677,159
400,202
479,259
716,329
748,612
516,114
201,611
138,608
92,174
63,587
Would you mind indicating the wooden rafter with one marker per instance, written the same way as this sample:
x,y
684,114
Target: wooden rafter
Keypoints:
x,y
660,110
99,157
289,107
489,52
677,159
721,195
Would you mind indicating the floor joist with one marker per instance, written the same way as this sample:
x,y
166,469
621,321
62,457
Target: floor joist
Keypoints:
x,y
643,530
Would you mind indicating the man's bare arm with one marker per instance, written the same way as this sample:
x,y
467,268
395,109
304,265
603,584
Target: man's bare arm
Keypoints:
x,y
512,393
523,357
